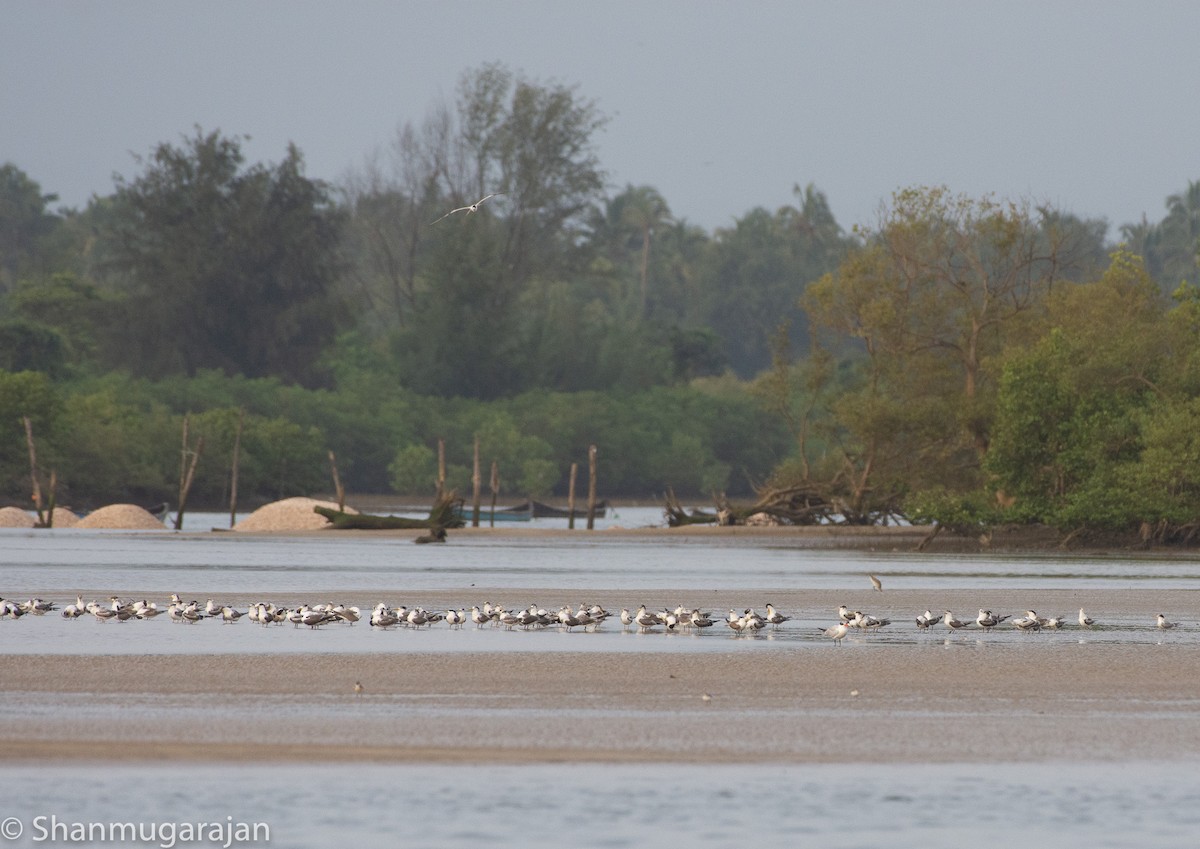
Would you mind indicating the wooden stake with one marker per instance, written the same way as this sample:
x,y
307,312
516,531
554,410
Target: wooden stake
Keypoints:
x,y
477,484
338,489
441,478
495,489
591,520
236,462
571,497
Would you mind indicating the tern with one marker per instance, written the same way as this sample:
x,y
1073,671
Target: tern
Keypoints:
x,y
987,620
927,619
1085,621
1163,623
1029,622
774,617
468,209
952,623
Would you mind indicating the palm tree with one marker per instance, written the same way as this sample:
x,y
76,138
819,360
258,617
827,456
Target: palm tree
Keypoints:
x,y
644,210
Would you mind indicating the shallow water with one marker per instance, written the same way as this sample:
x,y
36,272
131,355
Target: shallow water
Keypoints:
x,y
166,561
322,804
331,804
362,569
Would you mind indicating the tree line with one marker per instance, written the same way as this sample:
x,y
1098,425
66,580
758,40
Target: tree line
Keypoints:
x,y
878,366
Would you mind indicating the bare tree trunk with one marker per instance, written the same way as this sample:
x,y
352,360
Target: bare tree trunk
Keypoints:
x,y
33,474
187,471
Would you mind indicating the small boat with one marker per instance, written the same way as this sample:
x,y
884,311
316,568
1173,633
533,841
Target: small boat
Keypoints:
x,y
500,514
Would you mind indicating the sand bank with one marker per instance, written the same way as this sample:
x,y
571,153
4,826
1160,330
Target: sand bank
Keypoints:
x,y
958,701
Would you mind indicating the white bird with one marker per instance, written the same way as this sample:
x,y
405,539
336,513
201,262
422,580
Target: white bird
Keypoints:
x,y
145,610
927,619
1085,621
468,209
987,620
1163,624
11,609
626,618
774,617
837,632
952,623
230,615
645,619
1029,622
865,620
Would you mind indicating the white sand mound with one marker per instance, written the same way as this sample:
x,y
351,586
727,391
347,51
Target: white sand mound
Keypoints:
x,y
122,517
291,514
15,517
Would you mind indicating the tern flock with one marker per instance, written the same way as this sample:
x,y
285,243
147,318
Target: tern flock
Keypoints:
x,y
587,617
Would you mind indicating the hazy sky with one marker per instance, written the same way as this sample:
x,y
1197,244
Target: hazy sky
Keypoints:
x,y
722,107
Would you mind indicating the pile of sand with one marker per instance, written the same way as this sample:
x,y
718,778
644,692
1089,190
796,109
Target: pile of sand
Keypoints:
x,y
15,517
64,518
291,514
122,517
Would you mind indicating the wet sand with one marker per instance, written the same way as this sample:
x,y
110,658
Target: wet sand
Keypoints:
x,y
932,700
1053,698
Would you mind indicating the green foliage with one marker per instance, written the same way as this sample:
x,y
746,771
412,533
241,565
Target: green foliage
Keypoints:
x,y
961,512
29,346
413,470
25,226
1093,423
224,267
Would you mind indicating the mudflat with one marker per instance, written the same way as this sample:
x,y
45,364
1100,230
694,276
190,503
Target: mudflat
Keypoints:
x,y
934,698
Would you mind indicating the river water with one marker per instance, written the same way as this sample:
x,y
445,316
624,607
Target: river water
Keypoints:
x,y
1094,804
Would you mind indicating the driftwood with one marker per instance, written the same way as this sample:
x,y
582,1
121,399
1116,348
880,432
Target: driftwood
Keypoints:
x,y
678,517
444,514
802,504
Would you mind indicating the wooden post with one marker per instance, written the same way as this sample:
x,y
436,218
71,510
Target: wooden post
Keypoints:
x,y
33,474
235,463
571,497
339,490
495,489
441,478
591,522
477,487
